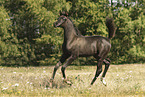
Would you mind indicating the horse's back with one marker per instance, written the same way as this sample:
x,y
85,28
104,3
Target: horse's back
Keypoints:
x,y
97,37
90,45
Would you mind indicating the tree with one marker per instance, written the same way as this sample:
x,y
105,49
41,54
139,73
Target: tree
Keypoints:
x,y
29,38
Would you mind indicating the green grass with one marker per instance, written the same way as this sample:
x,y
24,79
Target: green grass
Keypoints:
x,y
122,81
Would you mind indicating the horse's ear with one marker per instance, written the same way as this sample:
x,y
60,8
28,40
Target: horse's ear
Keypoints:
x,y
66,13
60,13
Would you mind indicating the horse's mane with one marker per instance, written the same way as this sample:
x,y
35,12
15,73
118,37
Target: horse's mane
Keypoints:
x,y
76,29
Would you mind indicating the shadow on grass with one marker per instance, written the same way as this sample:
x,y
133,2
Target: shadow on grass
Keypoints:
x,y
56,84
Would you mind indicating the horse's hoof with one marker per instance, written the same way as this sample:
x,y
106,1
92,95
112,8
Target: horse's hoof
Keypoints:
x,y
67,82
103,81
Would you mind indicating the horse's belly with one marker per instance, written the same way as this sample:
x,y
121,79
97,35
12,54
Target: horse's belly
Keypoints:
x,y
86,52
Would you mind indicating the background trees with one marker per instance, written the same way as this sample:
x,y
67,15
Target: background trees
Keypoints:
x,y
27,35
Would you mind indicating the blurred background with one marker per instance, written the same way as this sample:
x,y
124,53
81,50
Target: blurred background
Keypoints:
x,y
28,38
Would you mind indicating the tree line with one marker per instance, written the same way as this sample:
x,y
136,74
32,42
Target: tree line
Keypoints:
x,y
28,38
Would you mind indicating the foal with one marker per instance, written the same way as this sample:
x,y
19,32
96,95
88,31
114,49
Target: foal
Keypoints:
x,y
76,45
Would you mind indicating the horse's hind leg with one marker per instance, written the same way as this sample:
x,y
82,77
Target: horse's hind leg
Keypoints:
x,y
107,64
101,57
98,71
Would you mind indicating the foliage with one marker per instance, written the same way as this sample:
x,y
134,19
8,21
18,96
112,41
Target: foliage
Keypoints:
x,y
29,38
9,52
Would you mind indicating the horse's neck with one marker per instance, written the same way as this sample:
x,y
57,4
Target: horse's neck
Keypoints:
x,y
69,31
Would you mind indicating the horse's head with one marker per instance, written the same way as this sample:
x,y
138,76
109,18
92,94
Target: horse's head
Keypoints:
x,y
61,20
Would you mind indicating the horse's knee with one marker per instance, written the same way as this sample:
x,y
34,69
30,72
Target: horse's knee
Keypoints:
x,y
63,68
99,70
57,65
55,68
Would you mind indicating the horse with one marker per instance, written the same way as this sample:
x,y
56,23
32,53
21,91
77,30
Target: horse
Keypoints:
x,y
76,45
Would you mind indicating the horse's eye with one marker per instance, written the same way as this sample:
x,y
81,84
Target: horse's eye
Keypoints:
x,y
64,18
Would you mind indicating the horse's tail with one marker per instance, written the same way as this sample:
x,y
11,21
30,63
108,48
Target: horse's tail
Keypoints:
x,y
111,27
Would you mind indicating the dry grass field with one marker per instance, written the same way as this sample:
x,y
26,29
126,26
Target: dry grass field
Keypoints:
x,y
126,80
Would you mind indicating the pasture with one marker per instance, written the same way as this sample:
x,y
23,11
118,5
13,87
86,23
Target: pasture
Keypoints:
x,y
122,81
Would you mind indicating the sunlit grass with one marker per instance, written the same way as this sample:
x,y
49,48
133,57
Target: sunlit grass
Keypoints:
x,y
122,81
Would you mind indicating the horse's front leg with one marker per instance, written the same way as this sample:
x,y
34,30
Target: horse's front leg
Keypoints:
x,y
69,61
62,60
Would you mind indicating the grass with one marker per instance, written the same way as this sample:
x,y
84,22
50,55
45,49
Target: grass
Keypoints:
x,y
122,81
